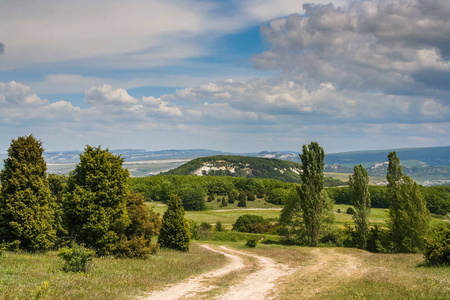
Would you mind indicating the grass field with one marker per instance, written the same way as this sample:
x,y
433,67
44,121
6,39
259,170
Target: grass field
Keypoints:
x,y
228,215
320,273
40,276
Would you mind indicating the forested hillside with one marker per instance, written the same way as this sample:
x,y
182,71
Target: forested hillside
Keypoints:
x,y
240,166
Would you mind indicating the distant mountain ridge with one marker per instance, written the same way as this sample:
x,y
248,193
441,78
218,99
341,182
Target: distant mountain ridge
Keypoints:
x,y
428,166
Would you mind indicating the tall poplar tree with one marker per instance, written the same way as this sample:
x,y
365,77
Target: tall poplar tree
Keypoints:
x,y
409,216
360,197
174,233
26,202
312,201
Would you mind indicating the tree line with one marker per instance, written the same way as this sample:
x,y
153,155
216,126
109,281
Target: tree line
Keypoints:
x,y
93,206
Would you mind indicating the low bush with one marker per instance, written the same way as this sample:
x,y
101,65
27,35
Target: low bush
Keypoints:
x,y
252,242
77,258
136,247
350,211
437,247
194,230
219,226
251,224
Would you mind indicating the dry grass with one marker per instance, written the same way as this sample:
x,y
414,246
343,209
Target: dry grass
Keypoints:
x,y
39,276
342,273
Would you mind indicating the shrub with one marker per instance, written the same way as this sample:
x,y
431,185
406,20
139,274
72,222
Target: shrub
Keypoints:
x,y
143,220
252,242
251,197
252,224
135,247
242,203
437,247
338,211
350,210
194,230
224,202
441,212
77,258
219,226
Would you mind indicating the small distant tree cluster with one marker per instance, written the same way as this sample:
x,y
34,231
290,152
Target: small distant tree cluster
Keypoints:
x,y
27,206
233,196
193,198
174,233
242,200
224,202
277,196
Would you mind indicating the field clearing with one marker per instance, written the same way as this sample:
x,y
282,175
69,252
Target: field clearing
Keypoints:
x,y
340,176
229,214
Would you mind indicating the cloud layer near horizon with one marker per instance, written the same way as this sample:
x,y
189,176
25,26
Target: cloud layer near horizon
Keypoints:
x,y
374,74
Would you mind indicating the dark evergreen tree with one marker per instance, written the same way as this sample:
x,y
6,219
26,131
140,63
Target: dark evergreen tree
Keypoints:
x,y
27,206
242,202
58,186
359,190
174,233
224,202
95,204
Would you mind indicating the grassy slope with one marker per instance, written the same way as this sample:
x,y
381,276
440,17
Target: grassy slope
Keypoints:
x,y
39,276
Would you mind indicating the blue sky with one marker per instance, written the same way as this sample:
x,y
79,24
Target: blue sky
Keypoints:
x,y
239,76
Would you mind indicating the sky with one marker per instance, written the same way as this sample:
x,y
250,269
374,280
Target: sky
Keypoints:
x,y
235,75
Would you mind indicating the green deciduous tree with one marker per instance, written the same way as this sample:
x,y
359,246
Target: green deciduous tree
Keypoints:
x,y
193,198
312,201
359,190
26,203
96,199
409,216
174,233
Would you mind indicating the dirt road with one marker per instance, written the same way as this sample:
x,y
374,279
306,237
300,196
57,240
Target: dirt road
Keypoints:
x,y
259,284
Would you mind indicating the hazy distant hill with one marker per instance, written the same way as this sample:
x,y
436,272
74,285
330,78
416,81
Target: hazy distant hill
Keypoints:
x,y
425,165
435,156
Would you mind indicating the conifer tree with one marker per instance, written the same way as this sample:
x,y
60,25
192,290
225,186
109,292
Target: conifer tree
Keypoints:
x,y
174,233
95,204
360,197
26,202
409,216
